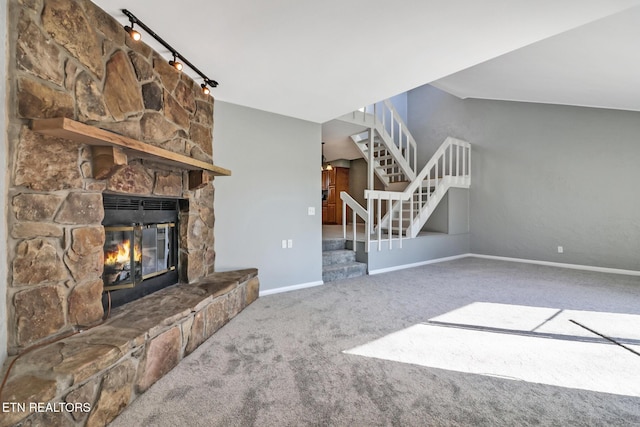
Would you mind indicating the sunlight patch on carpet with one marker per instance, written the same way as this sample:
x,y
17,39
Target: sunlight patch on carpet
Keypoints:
x,y
596,366
544,320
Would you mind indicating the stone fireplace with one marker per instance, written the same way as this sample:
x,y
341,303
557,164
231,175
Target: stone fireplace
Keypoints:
x,y
76,62
96,119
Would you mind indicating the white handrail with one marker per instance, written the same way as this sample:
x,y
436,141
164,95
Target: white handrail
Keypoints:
x,y
432,164
358,210
411,147
393,134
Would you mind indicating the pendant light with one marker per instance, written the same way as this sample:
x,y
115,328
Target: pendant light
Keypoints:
x,y
324,161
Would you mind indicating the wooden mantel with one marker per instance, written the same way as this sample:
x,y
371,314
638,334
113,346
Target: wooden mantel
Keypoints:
x,y
62,127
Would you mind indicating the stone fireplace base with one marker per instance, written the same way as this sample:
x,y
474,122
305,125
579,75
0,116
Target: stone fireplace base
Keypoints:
x,y
101,370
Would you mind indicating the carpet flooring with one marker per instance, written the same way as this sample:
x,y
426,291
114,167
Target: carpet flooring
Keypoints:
x,y
282,361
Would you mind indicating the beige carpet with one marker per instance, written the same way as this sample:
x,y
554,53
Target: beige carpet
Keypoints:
x,y
282,363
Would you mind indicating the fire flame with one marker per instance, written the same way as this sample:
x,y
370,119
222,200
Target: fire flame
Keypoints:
x,y
122,254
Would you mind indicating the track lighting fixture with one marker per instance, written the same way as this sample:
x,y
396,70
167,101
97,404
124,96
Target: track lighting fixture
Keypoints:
x,y
132,33
175,64
178,65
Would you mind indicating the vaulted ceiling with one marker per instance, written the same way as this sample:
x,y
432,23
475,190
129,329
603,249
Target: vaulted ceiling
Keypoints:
x,y
316,60
594,65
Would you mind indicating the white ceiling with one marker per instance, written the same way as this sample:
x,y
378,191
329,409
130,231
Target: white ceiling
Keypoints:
x,y
595,65
316,60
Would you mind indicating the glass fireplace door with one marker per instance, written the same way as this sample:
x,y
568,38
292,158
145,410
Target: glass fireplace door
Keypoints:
x,y
122,257
135,253
157,249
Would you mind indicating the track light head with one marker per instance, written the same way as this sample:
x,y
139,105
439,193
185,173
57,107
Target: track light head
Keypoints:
x,y
175,64
205,89
132,33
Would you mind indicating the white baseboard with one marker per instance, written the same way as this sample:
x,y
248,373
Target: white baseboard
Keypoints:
x,y
290,288
417,264
560,264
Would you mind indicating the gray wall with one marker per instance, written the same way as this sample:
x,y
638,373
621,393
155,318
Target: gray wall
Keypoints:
x,y
358,180
458,204
432,116
419,250
451,216
3,181
400,104
438,222
275,164
358,177
543,176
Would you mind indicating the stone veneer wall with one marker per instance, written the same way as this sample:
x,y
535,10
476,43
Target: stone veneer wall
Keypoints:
x,y
71,59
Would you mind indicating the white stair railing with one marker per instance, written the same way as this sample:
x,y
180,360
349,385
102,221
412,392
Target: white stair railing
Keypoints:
x,y
376,164
357,210
391,154
450,166
376,200
400,135
389,126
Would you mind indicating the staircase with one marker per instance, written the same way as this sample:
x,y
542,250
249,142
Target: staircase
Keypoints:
x,y
387,145
386,167
410,197
339,262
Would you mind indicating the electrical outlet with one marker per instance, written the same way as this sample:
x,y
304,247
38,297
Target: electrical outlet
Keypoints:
x,y
284,244
311,210
560,249
289,243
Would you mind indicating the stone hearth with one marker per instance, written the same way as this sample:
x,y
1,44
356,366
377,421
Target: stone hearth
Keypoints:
x,y
72,60
106,367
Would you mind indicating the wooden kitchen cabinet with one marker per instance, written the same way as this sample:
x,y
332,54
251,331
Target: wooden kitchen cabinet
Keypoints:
x,y
333,182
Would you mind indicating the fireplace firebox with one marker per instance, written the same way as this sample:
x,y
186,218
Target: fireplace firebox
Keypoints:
x,y
141,247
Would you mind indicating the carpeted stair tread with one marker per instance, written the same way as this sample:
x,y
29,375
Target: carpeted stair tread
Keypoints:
x,y
333,244
339,262
343,271
340,256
